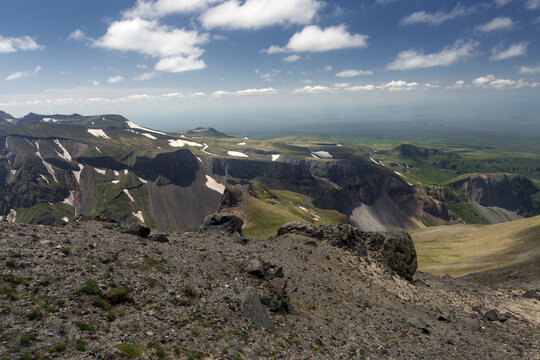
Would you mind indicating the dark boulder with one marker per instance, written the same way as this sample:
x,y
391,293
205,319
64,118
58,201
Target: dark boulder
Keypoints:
x,y
138,230
231,198
254,311
297,227
223,221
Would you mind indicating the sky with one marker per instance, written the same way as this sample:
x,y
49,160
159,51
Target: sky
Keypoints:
x,y
173,64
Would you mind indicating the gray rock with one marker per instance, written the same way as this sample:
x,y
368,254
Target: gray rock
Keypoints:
x,y
491,315
418,323
253,310
295,227
222,221
531,294
255,267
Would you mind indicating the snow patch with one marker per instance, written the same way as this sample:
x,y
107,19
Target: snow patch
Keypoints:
x,y
246,138
44,178
77,174
115,181
214,185
198,158
46,164
13,172
70,198
236,153
65,218
135,126
275,157
65,155
143,181
116,173
206,152
49,120
12,216
181,143
375,161
321,155
98,133
150,136
139,215
125,171
242,143
102,171
99,151
126,191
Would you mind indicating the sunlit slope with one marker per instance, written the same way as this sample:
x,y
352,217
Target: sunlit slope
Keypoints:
x,y
463,249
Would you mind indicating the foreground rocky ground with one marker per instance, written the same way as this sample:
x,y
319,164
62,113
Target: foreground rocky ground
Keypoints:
x,y
87,290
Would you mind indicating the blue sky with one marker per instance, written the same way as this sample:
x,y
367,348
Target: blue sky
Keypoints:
x,y
177,63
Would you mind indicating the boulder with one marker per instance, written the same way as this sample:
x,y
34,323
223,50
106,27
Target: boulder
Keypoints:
x,y
254,311
297,227
138,229
399,254
344,236
231,198
223,221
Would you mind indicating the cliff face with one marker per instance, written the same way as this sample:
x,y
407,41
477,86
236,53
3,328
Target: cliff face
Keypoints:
x,y
513,193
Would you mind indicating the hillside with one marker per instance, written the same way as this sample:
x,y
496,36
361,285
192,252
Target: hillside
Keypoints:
x,y
464,249
88,290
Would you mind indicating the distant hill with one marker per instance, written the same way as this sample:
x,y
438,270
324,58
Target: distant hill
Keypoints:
x,y
205,132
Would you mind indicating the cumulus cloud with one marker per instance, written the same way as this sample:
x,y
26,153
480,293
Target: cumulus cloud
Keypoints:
x,y
498,23
369,87
264,91
413,59
514,50
77,35
23,74
400,85
159,8
145,76
314,39
115,79
535,69
491,82
532,4
353,73
256,14
291,58
177,48
312,89
438,17
14,44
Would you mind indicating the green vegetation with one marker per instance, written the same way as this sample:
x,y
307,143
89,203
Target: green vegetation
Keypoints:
x,y
458,203
27,339
130,351
463,249
90,287
59,347
80,345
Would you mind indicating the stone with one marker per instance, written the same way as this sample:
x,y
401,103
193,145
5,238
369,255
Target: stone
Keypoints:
x,y
444,318
162,238
418,323
296,227
254,311
255,267
222,221
138,229
491,315
531,294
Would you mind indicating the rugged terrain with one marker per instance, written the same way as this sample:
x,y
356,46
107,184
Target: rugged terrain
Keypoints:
x,y
90,290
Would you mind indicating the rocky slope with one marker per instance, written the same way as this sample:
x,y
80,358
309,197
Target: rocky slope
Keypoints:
x,y
90,290
55,167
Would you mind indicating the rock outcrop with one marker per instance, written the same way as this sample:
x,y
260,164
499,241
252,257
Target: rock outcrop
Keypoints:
x,y
395,250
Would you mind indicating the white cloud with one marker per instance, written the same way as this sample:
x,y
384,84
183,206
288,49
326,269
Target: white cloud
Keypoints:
x,y
530,69
23,74
353,73
12,44
491,82
256,91
314,39
177,48
94,82
160,8
313,89
145,76
141,66
514,50
77,35
342,85
532,4
412,59
328,68
291,58
498,23
502,2
400,85
361,88
438,17
256,14
115,79
384,2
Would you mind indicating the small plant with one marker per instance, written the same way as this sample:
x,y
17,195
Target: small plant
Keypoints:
x,y
110,317
92,246
120,295
130,351
27,339
195,332
159,351
80,345
85,327
189,291
59,347
34,315
65,251
90,287
11,263
101,303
